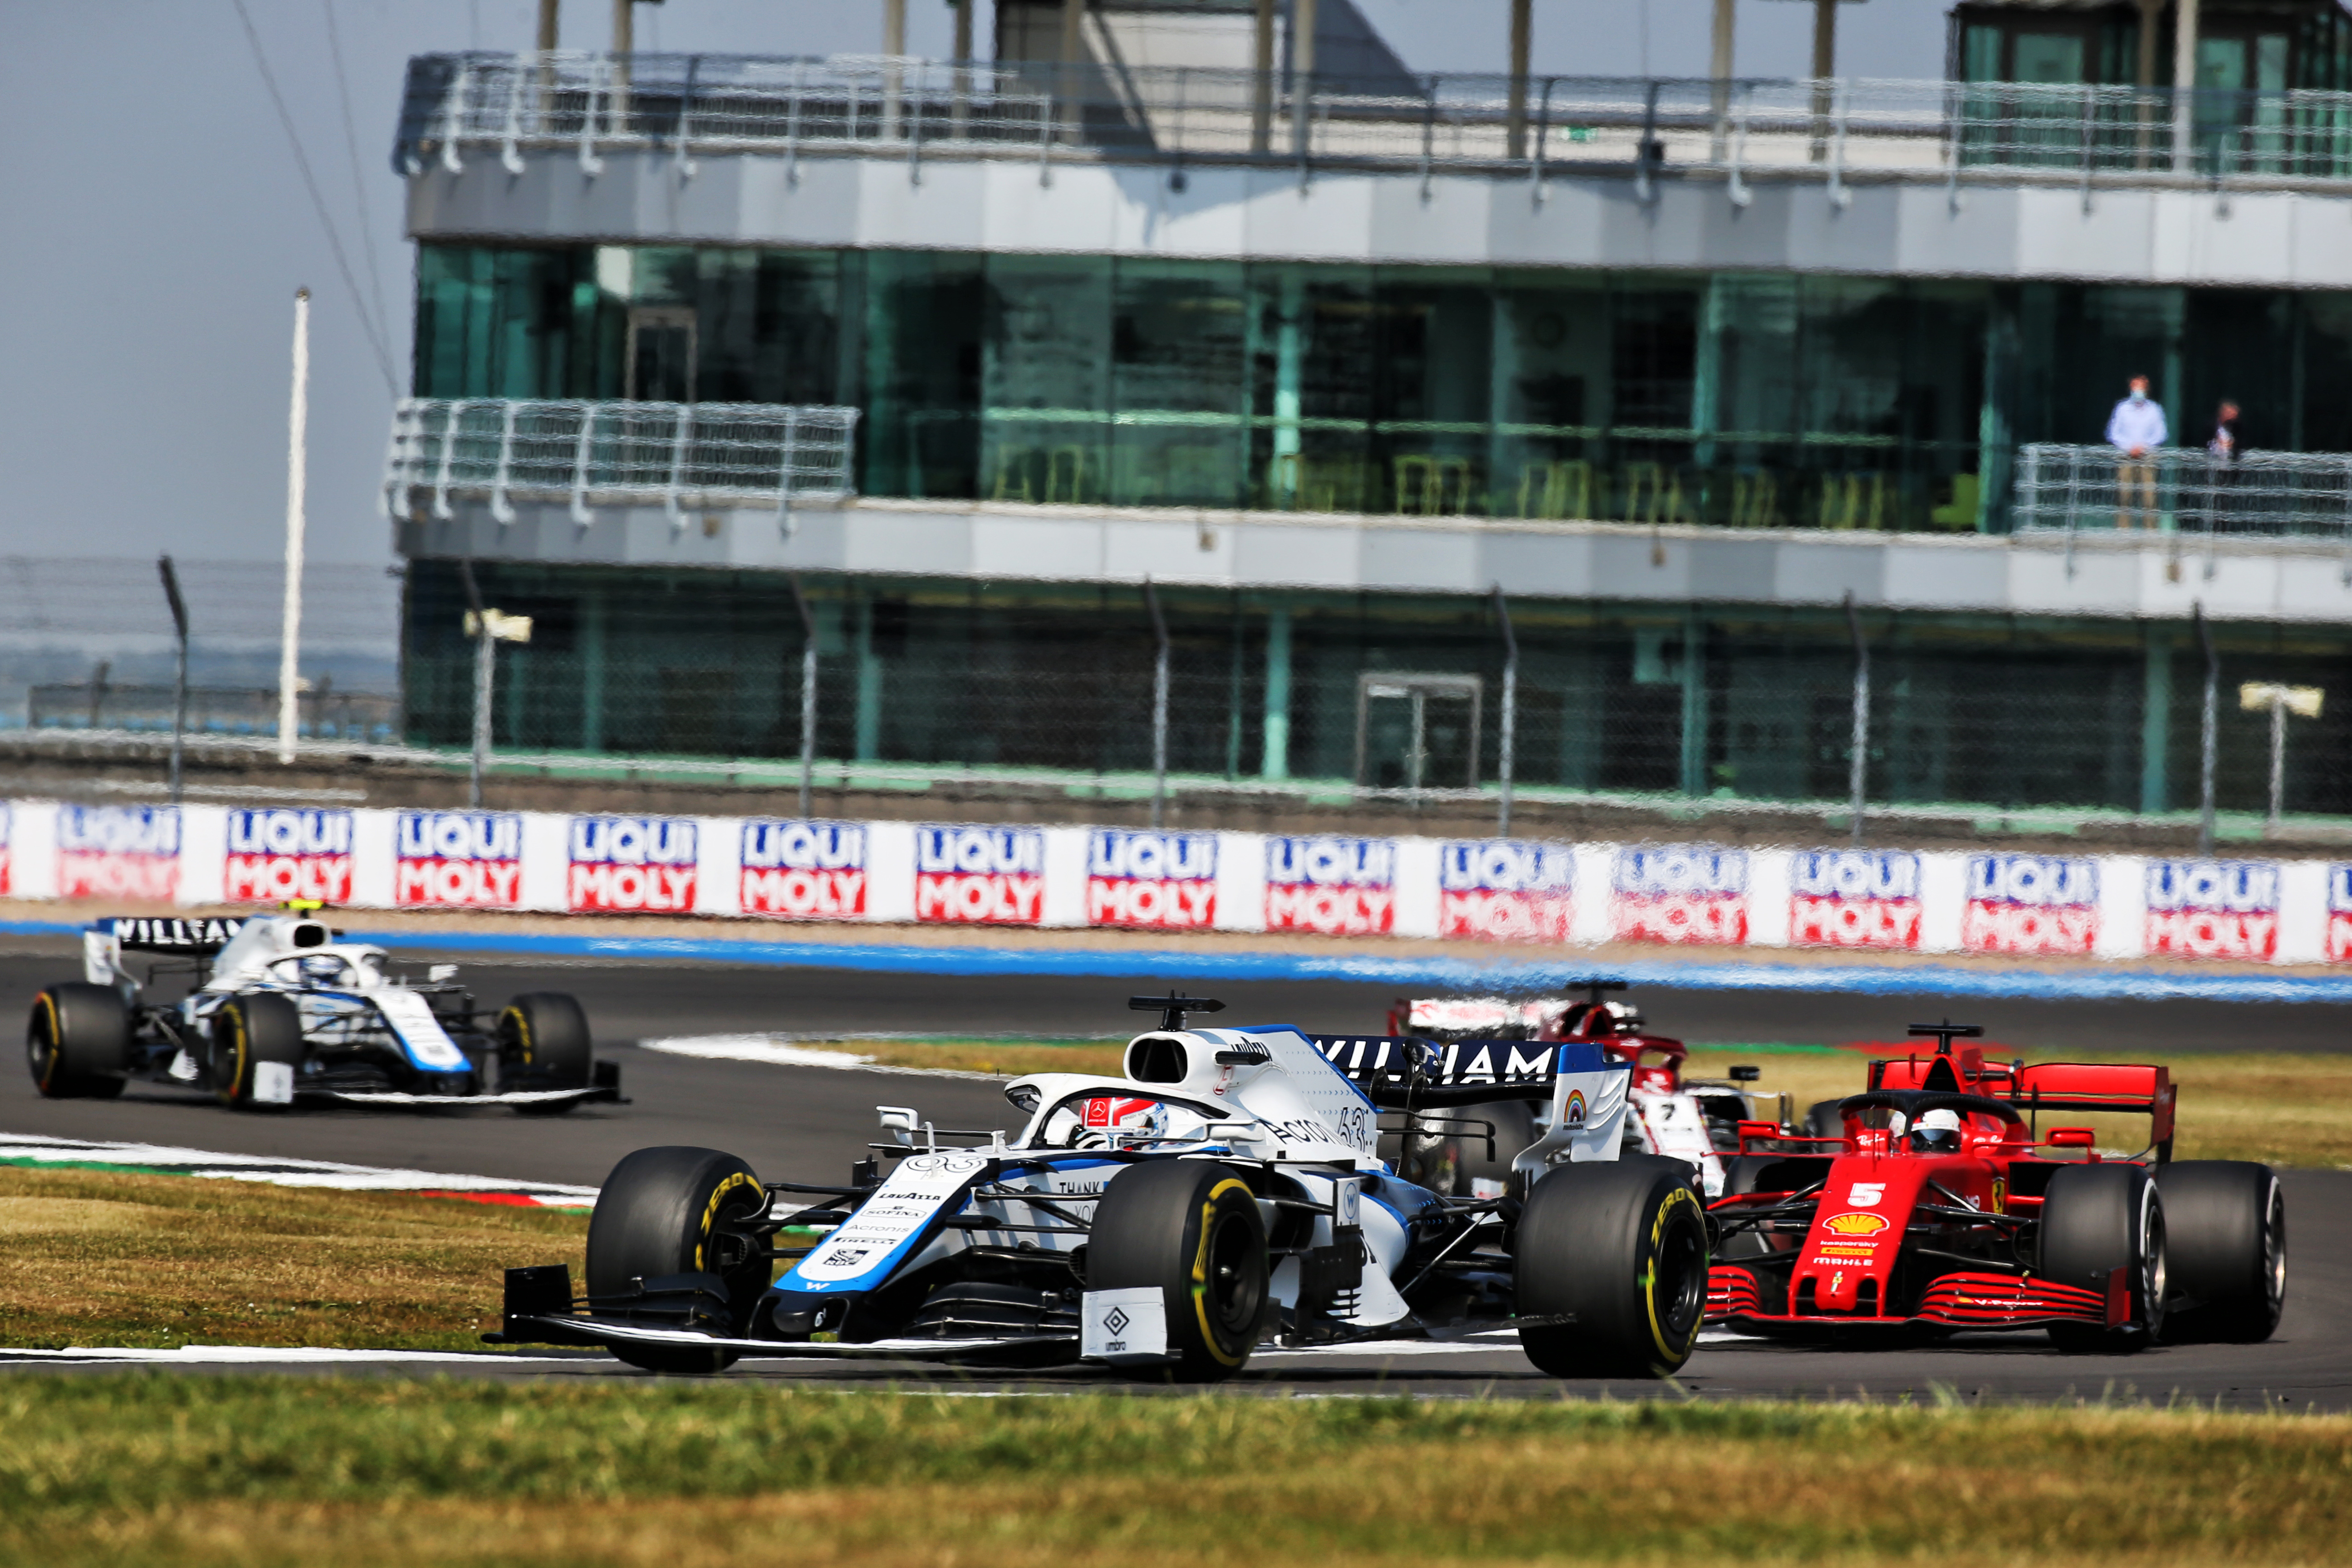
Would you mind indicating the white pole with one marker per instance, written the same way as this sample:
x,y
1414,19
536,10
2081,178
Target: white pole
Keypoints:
x,y
298,419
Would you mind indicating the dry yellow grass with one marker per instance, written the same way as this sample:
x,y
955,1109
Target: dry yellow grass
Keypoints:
x,y
100,1258
268,1471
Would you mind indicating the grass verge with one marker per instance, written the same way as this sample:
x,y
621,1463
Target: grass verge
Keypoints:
x,y
136,1468
100,1258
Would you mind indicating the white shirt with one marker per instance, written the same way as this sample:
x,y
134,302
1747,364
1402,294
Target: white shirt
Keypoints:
x,y
2139,424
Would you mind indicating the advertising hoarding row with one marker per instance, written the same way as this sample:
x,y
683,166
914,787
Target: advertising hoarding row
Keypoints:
x,y
1496,890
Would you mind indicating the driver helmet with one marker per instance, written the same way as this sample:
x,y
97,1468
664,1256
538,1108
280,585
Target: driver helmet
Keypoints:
x,y
1936,1132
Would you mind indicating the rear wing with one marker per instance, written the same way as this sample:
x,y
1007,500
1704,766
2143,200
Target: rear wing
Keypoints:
x,y
2100,1087
103,943
1403,1072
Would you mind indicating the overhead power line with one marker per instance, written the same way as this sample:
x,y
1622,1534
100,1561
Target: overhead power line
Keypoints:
x,y
359,186
317,203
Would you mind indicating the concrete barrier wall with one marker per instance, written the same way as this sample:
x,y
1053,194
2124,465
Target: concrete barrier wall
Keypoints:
x,y
1514,891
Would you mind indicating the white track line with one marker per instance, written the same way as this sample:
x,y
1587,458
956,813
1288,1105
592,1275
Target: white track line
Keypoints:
x,y
25,1149
246,1355
777,1050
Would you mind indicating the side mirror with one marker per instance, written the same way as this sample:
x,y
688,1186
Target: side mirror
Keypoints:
x,y
440,973
901,1122
1746,1074
2070,1138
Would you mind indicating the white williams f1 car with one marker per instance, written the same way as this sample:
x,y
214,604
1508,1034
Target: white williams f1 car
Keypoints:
x,y
1225,1191
278,1008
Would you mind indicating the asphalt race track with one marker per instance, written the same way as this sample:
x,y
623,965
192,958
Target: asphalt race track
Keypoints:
x,y
808,1123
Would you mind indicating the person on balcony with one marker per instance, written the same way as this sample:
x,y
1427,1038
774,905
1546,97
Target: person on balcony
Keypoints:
x,y
2137,429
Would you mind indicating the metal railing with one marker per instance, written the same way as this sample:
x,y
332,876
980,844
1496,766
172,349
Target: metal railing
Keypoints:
x,y
100,704
681,454
467,106
2185,491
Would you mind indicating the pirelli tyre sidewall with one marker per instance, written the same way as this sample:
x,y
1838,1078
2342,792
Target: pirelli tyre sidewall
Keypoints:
x,y
676,1210
248,1030
543,1041
2096,1219
1610,1260
1190,1228
78,1041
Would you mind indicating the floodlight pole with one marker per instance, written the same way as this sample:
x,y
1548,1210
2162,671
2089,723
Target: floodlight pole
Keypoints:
x,y
2206,732
485,675
1506,742
1159,708
1857,771
808,691
297,420
180,670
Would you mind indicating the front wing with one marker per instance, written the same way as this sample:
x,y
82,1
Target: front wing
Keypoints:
x,y
1965,1300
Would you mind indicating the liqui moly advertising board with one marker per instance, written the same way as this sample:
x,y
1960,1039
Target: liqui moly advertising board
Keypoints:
x,y
1680,892
280,855
2030,904
1163,880
2213,909
1505,890
2339,913
980,875
1854,898
801,870
1334,886
119,852
458,860
635,865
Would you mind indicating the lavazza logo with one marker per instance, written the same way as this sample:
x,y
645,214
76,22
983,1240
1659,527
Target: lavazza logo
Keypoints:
x,y
1505,890
1334,886
119,852
1681,892
277,855
631,863
803,870
2213,909
1167,881
1854,898
458,859
980,875
2031,904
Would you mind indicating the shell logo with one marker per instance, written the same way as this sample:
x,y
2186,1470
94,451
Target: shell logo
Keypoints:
x,y
1572,1113
1855,1224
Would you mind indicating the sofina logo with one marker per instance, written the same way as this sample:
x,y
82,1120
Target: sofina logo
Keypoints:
x,y
1334,886
1681,892
980,875
803,870
1505,890
119,852
458,859
275,855
2213,909
1163,880
630,864
1854,898
2030,904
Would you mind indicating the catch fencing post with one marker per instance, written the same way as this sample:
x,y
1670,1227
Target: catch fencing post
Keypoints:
x,y
808,691
1858,769
2205,764
180,670
297,421
484,668
1511,712
2306,700
1159,708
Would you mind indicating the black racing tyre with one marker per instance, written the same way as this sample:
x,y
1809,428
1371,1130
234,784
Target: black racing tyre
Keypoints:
x,y
78,1041
1611,1263
1190,1228
1514,1127
543,1044
2225,1250
247,1031
678,1210
2096,1219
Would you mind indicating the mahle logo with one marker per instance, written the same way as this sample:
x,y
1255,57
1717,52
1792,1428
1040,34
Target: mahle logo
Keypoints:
x,y
1857,1223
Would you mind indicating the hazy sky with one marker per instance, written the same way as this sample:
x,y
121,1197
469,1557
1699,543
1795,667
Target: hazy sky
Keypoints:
x,y
153,223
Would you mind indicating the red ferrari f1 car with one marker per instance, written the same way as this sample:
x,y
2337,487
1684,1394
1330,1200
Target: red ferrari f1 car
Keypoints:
x,y
1946,1203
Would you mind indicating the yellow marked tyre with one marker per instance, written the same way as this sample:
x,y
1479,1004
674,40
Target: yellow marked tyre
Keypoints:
x,y
1189,1229
78,1041
679,1210
1611,1261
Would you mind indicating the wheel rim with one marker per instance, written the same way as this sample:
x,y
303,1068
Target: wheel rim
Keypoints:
x,y
1235,1291
41,1054
1680,1287
2274,1250
2151,1260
